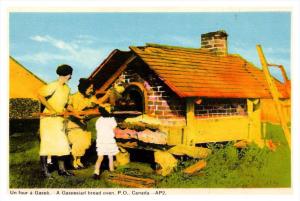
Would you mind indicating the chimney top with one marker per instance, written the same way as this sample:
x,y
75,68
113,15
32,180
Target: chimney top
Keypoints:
x,y
215,42
220,33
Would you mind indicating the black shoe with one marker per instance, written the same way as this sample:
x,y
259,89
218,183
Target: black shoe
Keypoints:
x,y
82,167
65,173
96,176
45,172
46,175
50,167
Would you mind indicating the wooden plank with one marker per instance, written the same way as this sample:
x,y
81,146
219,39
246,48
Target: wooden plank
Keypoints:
x,y
196,91
131,181
211,94
190,119
217,90
127,112
102,64
209,76
214,80
195,167
238,79
221,86
241,144
127,144
83,113
191,87
203,71
275,95
128,183
200,67
223,83
132,178
115,75
187,54
182,50
204,63
194,57
204,68
195,74
222,94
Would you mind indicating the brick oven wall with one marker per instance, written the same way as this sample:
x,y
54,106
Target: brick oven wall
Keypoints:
x,y
162,102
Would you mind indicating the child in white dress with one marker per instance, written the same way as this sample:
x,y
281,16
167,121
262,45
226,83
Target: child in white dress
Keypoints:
x,y
105,143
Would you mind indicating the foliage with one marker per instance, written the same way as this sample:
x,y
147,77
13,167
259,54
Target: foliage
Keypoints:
x,y
227,167
22,108
91,127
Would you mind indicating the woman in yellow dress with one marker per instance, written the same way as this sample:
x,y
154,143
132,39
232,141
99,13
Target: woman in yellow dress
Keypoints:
x,y
79,137
54,141
83,100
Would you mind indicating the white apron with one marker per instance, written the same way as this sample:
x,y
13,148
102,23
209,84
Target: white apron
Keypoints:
x,y
54,140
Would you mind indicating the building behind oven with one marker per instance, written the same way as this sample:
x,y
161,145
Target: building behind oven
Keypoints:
x,y
199,94
23,101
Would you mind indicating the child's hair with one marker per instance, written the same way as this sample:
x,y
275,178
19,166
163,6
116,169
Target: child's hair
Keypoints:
x,y
84,85
103,112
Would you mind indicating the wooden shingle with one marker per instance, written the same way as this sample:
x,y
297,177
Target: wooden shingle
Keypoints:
x,y
192,72
196,72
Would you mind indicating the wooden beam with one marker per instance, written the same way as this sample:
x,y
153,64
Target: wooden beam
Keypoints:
x,y
287,83
115,75
190,121
275,94
101,65
195,167
131,181
190,111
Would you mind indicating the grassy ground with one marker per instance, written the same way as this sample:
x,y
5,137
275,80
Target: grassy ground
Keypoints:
x,y
227,167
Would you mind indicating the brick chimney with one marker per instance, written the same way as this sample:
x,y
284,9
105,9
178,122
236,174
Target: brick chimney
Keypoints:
x,y
215,42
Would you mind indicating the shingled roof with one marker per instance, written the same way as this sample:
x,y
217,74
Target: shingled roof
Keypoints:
x,y
192,72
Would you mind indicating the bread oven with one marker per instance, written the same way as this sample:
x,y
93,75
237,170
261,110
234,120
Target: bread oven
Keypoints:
x,y
133,99
195,95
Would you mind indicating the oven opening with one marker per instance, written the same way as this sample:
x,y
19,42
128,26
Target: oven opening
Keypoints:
x,y
132,100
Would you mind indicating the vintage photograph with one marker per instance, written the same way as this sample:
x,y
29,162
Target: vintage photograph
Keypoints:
x,y
150,99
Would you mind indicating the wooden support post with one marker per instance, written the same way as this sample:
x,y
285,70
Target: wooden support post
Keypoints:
x,y
287,83
190,121
275,94
254,113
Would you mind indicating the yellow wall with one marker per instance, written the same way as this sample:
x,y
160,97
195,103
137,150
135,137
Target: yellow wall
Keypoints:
x,y
22,83
175,134
219,129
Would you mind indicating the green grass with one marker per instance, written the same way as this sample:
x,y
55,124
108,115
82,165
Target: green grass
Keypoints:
x,y
227,167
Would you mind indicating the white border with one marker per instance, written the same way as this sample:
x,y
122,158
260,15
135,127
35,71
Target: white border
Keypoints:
x,y
147,6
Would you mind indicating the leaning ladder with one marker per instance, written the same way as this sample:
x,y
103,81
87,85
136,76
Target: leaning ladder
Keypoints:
x,y
275,93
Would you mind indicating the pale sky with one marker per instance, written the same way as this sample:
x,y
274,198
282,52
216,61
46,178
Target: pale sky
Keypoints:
x,y
42,41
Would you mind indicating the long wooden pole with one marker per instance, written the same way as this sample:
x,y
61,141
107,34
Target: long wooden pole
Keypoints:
x,y
83,113
275,94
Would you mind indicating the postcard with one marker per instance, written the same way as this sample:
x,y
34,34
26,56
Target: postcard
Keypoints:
x,y
152,102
